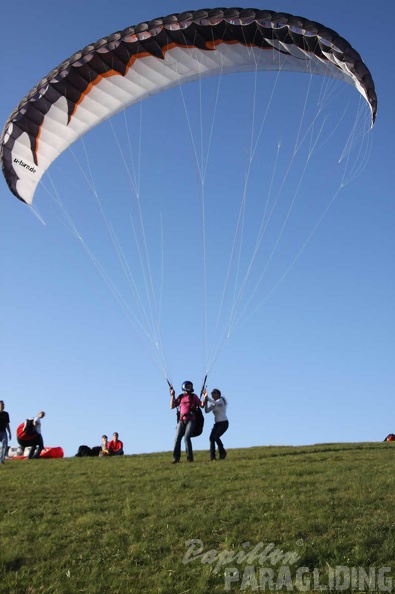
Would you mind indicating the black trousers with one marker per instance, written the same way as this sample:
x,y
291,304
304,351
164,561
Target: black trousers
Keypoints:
x,y
217,431
37,448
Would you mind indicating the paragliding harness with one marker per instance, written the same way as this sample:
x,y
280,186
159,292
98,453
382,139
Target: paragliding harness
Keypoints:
x,y
196,410
86,451
199,421
26,434
26,431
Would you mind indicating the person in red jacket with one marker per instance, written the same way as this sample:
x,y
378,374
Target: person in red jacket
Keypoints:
x,y
115,446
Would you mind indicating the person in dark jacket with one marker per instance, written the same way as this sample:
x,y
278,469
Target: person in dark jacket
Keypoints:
x,y
4,429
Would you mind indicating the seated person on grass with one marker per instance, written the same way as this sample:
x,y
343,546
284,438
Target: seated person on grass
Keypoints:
x,y
114,447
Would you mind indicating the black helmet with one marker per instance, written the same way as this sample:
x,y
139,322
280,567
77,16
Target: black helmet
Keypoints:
x,y
185,384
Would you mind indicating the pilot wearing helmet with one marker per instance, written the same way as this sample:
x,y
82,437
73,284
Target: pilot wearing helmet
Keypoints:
x,y
187,402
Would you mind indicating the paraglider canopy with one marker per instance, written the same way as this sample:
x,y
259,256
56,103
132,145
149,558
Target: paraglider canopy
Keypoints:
x,y
130,65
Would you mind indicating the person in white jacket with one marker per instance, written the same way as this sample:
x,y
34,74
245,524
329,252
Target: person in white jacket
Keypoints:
x,y
217,404
38,447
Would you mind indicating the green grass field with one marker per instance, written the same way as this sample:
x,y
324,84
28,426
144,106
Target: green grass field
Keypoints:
x,y
273,519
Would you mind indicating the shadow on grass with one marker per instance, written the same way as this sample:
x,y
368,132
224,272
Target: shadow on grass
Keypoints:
x,y
11,564
284,451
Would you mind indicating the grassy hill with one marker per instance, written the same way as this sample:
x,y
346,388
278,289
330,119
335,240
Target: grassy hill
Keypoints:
x,y
274,519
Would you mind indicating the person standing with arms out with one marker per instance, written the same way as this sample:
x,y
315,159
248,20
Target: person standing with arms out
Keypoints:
x,y
187,401
218,406
4,428
36,450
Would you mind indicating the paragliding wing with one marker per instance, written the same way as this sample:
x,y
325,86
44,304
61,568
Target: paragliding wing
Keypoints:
x,y
128,66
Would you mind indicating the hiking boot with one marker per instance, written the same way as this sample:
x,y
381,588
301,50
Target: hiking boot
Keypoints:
x,y
222,455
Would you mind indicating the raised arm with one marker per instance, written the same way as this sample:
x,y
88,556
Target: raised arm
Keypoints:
x,y
207,399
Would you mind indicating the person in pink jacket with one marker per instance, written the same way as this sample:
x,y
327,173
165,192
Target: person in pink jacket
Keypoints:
x,y
187,403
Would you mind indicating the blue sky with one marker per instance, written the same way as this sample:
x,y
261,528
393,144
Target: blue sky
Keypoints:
x,y
314,364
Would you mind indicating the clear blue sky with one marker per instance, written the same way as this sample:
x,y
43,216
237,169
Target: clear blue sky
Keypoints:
x,y
314,364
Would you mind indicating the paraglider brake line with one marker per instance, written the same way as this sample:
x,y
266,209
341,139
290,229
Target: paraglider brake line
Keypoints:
x,y
204,385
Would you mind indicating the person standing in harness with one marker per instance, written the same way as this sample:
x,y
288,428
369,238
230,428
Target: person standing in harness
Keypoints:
x,y
187,403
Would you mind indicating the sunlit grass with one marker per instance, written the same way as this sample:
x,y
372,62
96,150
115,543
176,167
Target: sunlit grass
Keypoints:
x,y
120,525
